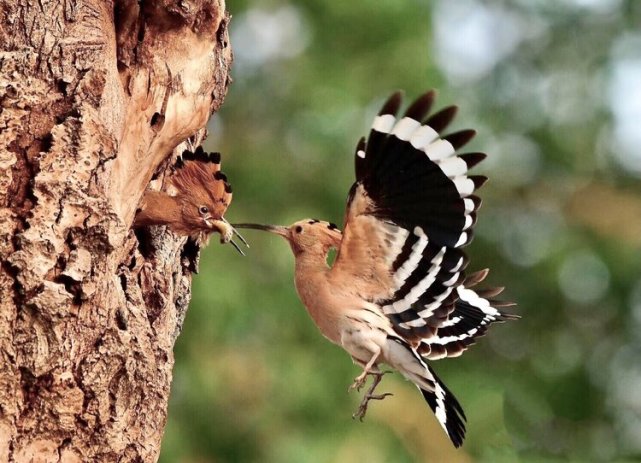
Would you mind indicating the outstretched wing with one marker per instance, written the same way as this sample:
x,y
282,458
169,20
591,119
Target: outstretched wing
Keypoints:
x,y
198,175
473,312
409,212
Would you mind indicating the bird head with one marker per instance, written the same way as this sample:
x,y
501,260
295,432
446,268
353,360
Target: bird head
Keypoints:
x,y
203,195
198,216
307,235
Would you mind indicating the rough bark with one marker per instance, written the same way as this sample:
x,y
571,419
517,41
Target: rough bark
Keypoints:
x,y
94,96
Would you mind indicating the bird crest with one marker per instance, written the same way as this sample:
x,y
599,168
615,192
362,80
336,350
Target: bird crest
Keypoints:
x,y
196,201
198,176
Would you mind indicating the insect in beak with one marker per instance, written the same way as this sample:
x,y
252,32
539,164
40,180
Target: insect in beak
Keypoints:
x,y
232,232
227,232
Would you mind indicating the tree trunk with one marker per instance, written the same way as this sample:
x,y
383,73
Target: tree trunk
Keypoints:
x,y
95,99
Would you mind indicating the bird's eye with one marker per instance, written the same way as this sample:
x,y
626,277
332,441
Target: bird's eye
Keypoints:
x,y
203,209
298,229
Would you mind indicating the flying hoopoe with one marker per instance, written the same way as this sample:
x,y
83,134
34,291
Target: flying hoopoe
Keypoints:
x,y
397,292
196,201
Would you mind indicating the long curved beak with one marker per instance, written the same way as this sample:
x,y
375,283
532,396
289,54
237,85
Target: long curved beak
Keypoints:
x,y
277,229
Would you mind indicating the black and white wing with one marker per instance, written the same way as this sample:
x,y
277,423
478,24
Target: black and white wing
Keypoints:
x,y
409,213
474,311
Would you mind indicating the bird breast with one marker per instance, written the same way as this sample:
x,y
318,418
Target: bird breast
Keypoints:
x,y
325,303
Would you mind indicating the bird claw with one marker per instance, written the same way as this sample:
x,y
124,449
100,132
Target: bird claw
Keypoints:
x,y
359,382
361,379
369,395
362,408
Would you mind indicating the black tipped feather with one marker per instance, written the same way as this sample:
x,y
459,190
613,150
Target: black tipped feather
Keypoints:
x,y
478,202
201,155
392,104
409,189
421,106
474,218
472,159
479,180
442,119
469,238
404,187
220,176
458,139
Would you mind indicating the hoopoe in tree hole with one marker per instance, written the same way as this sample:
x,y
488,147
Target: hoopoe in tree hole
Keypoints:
x,y
397,292
198,196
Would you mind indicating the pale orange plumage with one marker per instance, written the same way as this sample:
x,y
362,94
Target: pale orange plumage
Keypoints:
x,y
397,292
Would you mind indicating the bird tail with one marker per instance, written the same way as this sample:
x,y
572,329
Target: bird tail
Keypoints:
x,y
447,409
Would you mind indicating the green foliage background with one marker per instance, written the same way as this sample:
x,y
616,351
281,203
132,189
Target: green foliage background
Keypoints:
x,y
552,87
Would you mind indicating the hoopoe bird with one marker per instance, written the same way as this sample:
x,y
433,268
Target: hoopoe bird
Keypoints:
x,y
397,292
197,199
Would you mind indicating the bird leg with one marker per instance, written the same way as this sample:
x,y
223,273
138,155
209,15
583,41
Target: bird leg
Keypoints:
x,y
369,395
359,381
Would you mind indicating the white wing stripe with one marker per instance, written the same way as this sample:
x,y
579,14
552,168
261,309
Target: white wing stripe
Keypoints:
x,y
422,286
464,185
384,123
460,337
477,301
462,240
452,280
428,311
440,413
440,149
469,205
405,128
468,222
453,166
414,259
413,324
423,136
451,322
458,266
